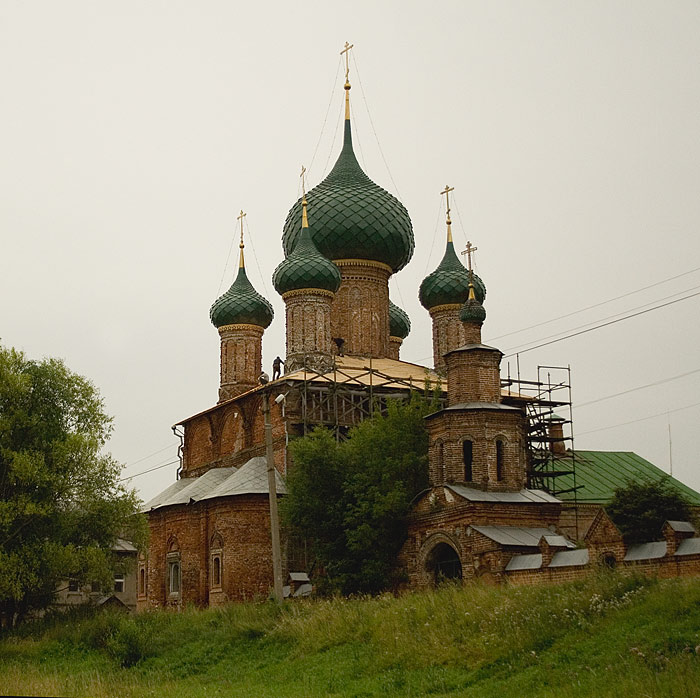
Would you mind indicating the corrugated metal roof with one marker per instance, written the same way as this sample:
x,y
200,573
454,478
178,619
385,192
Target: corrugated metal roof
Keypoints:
x,y
600,473
646,551
200,486
250,478
557,541
524,496
524,562
516,535
681,526
570,558
689,546
123,546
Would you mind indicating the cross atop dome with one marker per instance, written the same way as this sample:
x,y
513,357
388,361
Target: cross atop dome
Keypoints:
x,y
346,52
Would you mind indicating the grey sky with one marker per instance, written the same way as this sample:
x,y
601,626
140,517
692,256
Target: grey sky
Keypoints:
x,y
132,133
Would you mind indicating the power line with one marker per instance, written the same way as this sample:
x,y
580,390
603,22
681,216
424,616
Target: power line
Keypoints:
x,y
150,470
641,419
596,305
160,450
328,109
604,324
639,387
609,317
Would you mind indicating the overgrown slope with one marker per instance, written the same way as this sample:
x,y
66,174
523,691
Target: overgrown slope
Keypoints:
x,y
606,636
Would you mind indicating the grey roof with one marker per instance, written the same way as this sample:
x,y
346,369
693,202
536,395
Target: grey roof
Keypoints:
x,y
570,558
168,492
250,478
299,577
646,551
689,546
303,590
681,526
200,486
123,546
522,497
524,562
558,541
478,406
517,535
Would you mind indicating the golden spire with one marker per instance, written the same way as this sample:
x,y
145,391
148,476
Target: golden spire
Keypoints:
x,y
446,192
304,217
346,51
240,218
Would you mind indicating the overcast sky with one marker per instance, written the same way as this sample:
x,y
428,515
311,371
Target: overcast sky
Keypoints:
x,y
132,133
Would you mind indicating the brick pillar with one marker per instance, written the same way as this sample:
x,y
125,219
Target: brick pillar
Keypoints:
x,y
473,374
241,359
360,310
308,328
394,347
448,332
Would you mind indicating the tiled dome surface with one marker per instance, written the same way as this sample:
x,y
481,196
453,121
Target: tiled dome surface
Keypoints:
x,y
241,304
353,218
399,322
449,283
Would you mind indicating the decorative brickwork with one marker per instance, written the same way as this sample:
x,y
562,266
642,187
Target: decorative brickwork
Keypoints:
x,y
448,332
241,359
308,328
473,374
360,311
394,347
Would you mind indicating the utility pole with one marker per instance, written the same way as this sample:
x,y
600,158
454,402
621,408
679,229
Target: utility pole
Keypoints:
x,y
272,486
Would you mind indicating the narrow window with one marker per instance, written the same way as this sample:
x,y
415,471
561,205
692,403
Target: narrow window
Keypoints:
x,y
467,455
217,571
440,463
142,581
119,583
174,576
500,458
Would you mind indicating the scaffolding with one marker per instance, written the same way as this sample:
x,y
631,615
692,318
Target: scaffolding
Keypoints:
x,y
550,431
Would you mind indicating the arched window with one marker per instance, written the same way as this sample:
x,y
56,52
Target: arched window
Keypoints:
x,y
467,457
216,546
142,581
174,570
500,458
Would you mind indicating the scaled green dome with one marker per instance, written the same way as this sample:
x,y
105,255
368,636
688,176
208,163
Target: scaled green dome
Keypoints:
x,y
353,217
399,322
472,311
241,305
306,267
449,283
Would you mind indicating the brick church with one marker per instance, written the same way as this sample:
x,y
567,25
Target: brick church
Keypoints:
x,y
490,512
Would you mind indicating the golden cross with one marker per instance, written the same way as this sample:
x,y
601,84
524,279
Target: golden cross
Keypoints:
x,y
346,51
240,218
468,252
303,184
446,191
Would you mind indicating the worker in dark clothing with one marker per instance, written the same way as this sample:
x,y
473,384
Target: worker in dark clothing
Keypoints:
x,y
276,368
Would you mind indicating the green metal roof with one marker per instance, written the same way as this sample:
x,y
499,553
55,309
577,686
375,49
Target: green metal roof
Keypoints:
x,y
600,473
399,322
353,218
241,304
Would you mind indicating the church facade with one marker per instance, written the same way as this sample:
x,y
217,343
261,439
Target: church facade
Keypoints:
x,y
210,529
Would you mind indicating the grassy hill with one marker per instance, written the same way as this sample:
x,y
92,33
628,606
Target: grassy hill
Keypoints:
x,y
608,635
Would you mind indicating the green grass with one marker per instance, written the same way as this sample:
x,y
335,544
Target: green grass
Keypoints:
x,y
607,635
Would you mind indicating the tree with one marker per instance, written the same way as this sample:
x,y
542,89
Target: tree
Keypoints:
x,y
639,509
351,499
61,504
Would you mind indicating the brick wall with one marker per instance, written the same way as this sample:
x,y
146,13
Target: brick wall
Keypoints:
x,y
473,375
241,359
308,314
448,332
360,311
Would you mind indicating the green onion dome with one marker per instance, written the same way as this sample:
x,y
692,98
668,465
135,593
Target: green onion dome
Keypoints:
x,y
449,283
472,311
399,323
353,217
306,267
241,304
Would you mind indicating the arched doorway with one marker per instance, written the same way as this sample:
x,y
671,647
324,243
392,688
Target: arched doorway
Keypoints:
x,y
444,564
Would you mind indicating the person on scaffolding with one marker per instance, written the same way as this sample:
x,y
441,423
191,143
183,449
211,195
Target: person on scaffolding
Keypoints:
x,y
277,368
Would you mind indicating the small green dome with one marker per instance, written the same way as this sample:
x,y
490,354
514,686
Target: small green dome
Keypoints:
x,y
353,217
241,305
472,311
399,322
306,267
449,283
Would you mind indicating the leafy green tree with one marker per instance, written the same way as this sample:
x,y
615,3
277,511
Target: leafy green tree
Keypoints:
x,y
61,504
639,509
351,499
